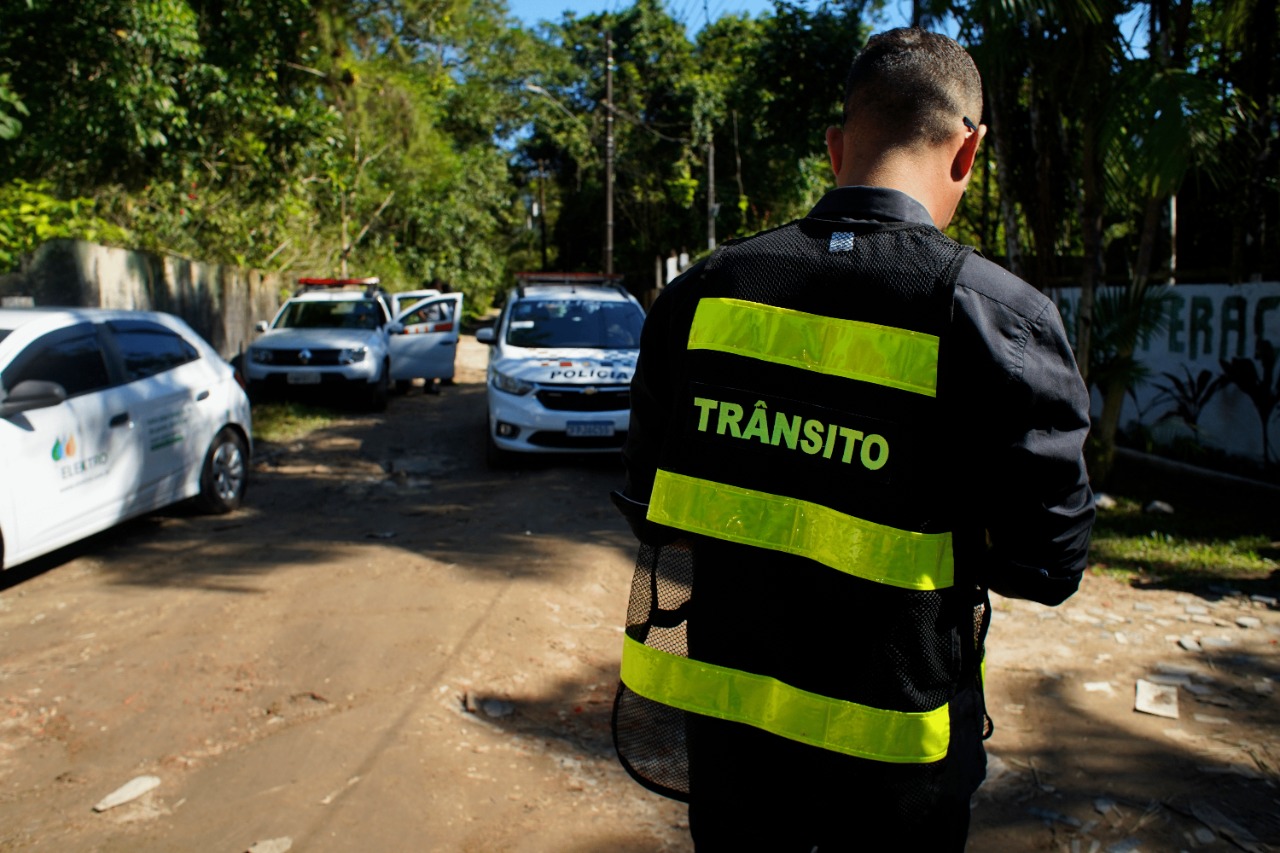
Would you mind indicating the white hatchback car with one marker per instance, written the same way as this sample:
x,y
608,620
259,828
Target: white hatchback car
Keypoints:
x,y
106,415
560,364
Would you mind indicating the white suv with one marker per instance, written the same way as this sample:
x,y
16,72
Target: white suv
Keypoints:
x,y
560,364
342,333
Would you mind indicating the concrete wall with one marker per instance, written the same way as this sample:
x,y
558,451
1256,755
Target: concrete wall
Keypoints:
x,y
1205,323
220,302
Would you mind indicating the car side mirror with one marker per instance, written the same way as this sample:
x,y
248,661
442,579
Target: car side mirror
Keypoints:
x,y
395,327
260,326
32,394
486,335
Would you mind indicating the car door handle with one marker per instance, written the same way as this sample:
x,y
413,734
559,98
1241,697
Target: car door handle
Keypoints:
x,y
121,419
202,396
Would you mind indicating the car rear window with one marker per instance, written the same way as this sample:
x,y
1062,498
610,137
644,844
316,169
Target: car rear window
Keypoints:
x,y
585,323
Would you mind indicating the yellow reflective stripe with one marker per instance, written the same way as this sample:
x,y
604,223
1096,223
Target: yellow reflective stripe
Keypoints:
x,y
875,552
899,737
868,352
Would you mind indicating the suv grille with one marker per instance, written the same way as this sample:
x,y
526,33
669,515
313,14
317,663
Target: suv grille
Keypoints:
x,y
576,399
319,357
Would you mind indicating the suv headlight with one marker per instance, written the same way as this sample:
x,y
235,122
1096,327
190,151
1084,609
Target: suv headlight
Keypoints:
x,y
259,355
510,384
352,356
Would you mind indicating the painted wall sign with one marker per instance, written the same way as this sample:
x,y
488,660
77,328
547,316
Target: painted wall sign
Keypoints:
x,y
1204,323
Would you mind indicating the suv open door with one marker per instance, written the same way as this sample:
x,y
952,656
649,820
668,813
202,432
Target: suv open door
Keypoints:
x,y
426,348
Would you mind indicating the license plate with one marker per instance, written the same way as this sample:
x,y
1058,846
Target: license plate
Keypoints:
x,y
585,429
303,378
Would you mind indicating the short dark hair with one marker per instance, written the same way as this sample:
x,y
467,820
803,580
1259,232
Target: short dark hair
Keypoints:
x,y
913,86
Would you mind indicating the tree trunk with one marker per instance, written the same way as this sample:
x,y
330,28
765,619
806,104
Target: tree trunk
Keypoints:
x,y
1113,393
1091,232
1004,181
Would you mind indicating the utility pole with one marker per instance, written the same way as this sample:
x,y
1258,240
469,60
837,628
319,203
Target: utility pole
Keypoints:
x,y
711,191
608,153
542,210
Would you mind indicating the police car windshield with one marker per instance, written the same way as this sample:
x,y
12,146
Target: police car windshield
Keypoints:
x,y
349,314
585,323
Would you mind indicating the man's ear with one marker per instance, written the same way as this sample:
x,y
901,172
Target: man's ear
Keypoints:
x,y
967,154
835,148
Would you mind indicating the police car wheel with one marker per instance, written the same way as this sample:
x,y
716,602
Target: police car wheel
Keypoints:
x,y
225,473
379,391
432,386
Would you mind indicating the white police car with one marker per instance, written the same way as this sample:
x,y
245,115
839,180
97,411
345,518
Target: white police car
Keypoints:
x,y
341,333
106,415
561,359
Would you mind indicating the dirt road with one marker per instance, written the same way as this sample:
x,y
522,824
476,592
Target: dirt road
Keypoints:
x,y
392,648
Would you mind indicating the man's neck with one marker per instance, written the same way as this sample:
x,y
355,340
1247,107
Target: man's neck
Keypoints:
x,y
910,172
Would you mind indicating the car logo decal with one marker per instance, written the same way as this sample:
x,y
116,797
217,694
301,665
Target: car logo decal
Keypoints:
x,y
590,390
304,356
63,449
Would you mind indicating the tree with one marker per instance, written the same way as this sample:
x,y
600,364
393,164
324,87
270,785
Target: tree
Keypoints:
x,y
1259,381
654,160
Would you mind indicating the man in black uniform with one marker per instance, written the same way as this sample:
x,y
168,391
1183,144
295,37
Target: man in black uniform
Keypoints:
x,y
843,433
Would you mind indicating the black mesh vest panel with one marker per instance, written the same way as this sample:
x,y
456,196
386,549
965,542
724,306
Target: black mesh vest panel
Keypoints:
x,y
787,617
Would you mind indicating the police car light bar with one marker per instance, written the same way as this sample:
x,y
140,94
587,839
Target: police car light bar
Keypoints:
x,y
568,277
339,282
573,279
370,284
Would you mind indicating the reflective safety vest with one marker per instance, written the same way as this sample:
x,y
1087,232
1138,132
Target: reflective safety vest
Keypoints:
x,y
805,461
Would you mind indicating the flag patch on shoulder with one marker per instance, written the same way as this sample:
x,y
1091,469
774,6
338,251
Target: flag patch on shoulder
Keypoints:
x,y
841,241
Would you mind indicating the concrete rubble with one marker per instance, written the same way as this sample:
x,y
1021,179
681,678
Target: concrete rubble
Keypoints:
x,y
1203,662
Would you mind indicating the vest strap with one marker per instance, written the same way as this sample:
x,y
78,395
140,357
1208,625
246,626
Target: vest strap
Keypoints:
x,y
855,546
898,737
896,358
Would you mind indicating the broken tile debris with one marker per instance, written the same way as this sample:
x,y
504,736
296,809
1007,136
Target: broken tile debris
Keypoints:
x,y
1158,699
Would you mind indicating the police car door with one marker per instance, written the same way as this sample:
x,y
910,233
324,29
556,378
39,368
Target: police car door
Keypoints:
x,y
429,342
73,463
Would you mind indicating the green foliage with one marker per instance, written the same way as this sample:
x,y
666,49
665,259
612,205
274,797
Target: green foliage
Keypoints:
x,y
410,138
1188,395
30,214
1165,553
1160,125
1124,317
10,108
288,421
109,87
781,78
1213,548
761,91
